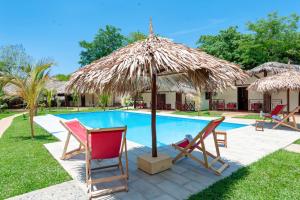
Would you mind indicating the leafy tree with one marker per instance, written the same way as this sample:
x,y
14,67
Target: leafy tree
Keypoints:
x,y
103,100
105,42
274,38
75,98
29,86
62,77
12,58
136,36
49,95
224,45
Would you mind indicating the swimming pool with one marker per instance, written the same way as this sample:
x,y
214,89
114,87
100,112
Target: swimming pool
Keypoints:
x,y
169,129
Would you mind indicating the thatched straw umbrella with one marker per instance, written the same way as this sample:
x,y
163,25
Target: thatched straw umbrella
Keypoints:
x,y
274,68
155,59
289,80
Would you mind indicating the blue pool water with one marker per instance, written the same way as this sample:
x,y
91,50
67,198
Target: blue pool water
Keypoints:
x,y
169,129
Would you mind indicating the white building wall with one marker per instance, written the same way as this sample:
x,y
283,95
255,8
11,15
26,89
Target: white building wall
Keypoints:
x,y
91,100
229,95
147,98
171,99
204,103
294,100
294,95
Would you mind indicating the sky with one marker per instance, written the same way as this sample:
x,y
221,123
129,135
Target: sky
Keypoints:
x,y
53,28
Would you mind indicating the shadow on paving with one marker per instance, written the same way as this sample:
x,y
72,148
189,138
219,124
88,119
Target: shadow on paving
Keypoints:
x,y
186,177
270,125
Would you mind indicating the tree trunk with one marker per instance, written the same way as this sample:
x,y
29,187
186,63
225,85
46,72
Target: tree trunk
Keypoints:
x,y
31,114
153,115
78,104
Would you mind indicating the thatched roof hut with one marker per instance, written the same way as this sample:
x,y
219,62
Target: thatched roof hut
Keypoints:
x,y
273,67
149,63
58,86
288,80
283,81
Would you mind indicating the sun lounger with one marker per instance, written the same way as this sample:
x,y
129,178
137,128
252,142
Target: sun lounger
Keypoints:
x,y
285,120
99,144
275,112
188,145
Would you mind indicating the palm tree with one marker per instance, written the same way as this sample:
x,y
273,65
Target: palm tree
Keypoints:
x,y
103,100
49,95
29,85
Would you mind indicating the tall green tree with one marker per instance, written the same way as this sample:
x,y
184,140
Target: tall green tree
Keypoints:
x,y
104,100
62,77
136,36
29,86
224,45
105,42
274,38
12,58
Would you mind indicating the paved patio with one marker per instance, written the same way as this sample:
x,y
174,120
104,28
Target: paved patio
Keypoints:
x,y
186,177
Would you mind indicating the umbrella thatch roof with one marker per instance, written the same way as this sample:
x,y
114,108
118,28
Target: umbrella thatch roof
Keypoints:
x,y
56,85
130,68
283,81
273,67
51,84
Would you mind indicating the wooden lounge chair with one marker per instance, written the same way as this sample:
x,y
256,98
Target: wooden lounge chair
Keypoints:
x,y
99,144
187,146
275,112
284,121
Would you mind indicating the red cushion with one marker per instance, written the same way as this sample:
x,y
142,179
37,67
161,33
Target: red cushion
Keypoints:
x,y
184,143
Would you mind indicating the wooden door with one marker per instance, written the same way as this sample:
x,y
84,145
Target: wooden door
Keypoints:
x,y
242,98
161,101
178,102
83,100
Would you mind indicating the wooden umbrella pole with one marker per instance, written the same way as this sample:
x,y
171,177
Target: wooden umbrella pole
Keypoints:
x,y
153,114
288,102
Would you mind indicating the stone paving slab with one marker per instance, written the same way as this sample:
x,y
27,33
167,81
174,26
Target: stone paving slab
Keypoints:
x,y
69,190
186,177
293,148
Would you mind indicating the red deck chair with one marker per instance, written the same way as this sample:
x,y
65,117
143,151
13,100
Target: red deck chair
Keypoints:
x,y
275,112
186,147
104,143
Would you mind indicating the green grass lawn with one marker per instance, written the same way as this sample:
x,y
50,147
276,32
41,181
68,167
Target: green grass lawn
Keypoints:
x,y
67,110
7,113
249,116
201,113
274,177
297,142
25,163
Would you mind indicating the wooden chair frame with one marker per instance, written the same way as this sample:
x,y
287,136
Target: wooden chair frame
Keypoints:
x,y
198,143
85,147
292,124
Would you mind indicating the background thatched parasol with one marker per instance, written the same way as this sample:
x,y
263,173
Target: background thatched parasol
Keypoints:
x,y
140,64
289,80
273,67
